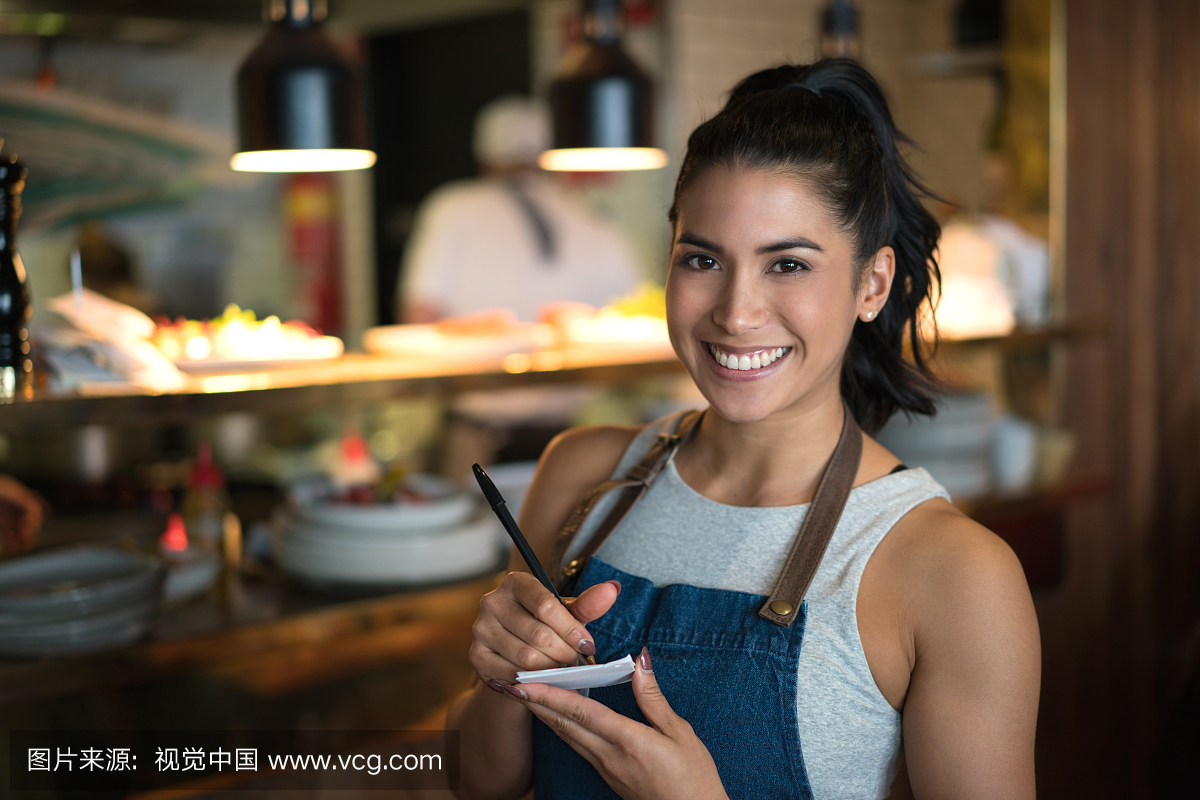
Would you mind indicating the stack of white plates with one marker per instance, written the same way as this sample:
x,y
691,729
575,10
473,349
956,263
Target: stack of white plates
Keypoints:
x,y
343,545
955,445
78,600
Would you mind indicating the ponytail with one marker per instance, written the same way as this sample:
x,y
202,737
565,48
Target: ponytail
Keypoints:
x,y
830,122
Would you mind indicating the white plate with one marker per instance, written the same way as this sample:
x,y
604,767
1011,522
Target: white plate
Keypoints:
x,y
73,583
112,629
467,551
388,517
324,348
922,436
429,341
368,553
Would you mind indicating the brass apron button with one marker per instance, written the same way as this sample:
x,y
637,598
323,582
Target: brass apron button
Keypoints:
x,y
781,607
572,568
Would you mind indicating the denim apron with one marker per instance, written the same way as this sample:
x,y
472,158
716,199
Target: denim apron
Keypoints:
x,y
726,661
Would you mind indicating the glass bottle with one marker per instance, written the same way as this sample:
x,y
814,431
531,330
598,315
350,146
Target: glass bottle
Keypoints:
x,y
16,368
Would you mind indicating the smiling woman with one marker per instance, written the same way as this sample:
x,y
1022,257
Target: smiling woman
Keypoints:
x,y
769,662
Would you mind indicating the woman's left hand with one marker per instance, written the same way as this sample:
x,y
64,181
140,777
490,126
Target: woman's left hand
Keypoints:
x,y
664,759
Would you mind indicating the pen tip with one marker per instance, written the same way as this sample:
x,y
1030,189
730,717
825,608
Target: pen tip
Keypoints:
x,y
489,489
591,659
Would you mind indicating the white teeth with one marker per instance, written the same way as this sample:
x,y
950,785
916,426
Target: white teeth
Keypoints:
x,y
758,360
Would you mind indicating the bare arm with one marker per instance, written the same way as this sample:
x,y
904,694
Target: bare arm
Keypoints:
x,y
971,708
22,512
522,626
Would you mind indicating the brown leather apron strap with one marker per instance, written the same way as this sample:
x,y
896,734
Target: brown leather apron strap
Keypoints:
x,y
817,528
633,487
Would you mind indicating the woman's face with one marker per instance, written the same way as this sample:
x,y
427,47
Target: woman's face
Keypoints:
x,y
761,292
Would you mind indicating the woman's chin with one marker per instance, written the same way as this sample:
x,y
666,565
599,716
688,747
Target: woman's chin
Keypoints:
x,y
739,408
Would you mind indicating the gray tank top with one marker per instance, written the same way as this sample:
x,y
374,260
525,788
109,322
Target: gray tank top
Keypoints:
x,y
849,732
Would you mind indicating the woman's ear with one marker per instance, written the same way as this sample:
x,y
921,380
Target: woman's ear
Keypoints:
x,y
876,284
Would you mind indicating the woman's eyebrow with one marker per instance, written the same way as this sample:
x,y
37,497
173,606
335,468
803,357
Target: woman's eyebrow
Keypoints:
x,y
798,243
790,244
698,241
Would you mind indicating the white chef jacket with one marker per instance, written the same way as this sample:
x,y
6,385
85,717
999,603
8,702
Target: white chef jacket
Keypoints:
x,y
473,247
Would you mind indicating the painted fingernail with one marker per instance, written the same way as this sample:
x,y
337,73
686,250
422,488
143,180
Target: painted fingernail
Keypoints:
x,y
615,583
644,660
497,686
587,647
515,692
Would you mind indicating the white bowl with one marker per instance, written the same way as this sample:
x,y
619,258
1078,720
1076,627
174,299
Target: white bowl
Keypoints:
x,y
74,583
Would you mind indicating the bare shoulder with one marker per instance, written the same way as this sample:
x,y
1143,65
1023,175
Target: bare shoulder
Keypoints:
x,y
945,557
575,462
969,613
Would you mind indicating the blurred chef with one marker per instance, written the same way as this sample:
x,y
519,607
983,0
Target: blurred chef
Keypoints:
x,y
513,238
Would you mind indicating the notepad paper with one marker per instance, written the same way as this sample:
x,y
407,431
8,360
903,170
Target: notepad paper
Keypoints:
x,y
585,677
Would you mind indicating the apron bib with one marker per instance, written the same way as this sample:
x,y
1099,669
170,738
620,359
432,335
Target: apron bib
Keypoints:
x,y
726,661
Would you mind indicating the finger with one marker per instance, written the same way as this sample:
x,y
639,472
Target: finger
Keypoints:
x,y
650,699
490,665
603,722
576,720
31,523
595,602
530,593
532,631
518,653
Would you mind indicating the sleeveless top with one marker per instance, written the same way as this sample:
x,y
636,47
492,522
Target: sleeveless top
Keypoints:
x,y
674,535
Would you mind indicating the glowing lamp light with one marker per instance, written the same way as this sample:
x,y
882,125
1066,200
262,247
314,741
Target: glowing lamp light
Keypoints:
x,y
300,101
314,160
602,159
602,102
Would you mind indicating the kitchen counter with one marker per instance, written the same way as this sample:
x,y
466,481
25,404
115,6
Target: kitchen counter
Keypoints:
x,y
351,379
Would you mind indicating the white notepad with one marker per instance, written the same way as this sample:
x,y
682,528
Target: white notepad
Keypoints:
x,y
590,676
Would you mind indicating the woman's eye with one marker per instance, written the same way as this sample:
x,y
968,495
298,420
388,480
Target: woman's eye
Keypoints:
x,y
701,262
789,265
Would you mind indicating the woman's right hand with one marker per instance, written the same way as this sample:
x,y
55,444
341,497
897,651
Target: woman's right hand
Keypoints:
x,y
522,626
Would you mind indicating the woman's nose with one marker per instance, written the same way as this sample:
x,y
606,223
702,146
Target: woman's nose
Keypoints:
x,y
741,306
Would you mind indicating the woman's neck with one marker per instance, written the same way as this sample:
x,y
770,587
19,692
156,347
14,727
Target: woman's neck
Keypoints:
x,y
776,461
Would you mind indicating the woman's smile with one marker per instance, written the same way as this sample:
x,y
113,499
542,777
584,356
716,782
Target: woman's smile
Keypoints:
x,y
744,363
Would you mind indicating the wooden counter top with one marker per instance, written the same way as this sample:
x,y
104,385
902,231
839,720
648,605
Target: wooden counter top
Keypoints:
x,y
351,379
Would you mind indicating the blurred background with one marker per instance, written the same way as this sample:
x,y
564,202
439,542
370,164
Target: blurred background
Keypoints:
x,y
241,404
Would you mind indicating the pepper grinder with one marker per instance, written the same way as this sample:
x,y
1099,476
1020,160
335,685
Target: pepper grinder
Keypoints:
x,y
16,368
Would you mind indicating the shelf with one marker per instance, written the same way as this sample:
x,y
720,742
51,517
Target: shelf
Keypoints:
x,y
267,640
1024,339
1059,495
352,379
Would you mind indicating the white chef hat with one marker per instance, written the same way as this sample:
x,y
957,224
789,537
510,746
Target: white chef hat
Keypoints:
x,y
511,131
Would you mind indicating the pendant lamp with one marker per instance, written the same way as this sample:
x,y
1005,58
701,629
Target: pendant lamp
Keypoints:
x,y
601,102
839,30
300,103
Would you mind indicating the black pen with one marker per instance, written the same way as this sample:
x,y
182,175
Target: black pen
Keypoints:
x,y
496,501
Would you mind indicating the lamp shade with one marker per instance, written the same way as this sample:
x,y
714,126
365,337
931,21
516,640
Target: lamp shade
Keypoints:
x,y
602,103
300,106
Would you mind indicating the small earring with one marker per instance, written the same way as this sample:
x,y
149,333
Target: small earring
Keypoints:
x,y
870,315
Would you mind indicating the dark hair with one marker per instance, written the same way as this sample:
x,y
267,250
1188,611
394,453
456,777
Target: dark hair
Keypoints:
x,y
830,122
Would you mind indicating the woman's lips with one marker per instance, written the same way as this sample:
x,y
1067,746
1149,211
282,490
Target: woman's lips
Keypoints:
x,y
746,361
